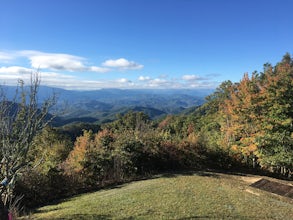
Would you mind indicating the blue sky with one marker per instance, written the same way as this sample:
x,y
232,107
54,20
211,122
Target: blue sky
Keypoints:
x,y
93,44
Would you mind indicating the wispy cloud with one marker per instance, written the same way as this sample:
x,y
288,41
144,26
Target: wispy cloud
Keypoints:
x,y
60,62
10,76
97,69
122,64
57,62
186,81
144,78
190,77
4,56
193,77
67,62
123,80
64,71
15,70
162,81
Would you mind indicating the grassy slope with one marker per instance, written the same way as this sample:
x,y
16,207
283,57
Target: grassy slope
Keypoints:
x,y
200,195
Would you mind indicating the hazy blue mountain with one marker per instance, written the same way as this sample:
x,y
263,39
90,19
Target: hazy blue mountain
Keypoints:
x,y
103,105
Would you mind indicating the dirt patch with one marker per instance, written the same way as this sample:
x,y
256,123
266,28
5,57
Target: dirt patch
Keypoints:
x,y
274,187
252,192
250,180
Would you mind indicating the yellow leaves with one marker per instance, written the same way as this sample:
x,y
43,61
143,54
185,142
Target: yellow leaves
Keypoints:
x,y
252,147
245,146
193,138
87,143
287,122
268,127
235,148
77,155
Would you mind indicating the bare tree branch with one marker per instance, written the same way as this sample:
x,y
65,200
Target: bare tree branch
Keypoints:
x,y
21,118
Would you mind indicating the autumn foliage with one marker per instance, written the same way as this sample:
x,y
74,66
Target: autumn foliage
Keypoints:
x,y
258,117
244,125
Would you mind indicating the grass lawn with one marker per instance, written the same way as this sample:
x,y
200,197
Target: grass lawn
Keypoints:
x,y
200,195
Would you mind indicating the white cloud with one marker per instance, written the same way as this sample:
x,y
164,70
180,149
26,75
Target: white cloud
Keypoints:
x,y
98,69
15,70
162,81
190,77
53,61
57,62
122,64
144,78
123,80
66,62
63,70
4,57
60,62
10,76
158,82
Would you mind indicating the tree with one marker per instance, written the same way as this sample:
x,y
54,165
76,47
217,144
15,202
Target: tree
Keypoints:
x,y
276,141
242,111
76,158
132,120
21,119
259,118
51,147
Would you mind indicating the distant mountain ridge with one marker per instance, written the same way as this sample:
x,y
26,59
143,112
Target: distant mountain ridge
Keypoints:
x,y
103,105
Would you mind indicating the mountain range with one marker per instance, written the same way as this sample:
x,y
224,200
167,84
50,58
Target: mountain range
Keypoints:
x,y
103,105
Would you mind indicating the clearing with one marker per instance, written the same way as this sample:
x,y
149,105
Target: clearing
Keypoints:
x,y
196,195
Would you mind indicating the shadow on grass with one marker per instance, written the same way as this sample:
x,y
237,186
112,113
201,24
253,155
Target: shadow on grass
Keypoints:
x,y
190,173
223,217
196,217
274,187
121,184
37,211
82,217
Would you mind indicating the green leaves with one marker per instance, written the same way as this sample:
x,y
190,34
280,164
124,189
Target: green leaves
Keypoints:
x,y
259,115
20,121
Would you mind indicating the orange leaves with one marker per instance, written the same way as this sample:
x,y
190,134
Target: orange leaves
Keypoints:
x,y
242,114
163,124
86,144
249,144
235,148
104,138
77,155
258,115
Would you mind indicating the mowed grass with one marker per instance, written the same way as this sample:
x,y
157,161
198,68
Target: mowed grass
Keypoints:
x,y
200,195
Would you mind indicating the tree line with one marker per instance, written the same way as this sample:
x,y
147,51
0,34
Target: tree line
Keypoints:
x,y
255,117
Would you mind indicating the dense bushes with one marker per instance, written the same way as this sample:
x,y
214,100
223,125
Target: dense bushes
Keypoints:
x,y
127,148
131,147
38,188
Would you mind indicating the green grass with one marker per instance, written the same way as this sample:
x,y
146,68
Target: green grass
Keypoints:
x,y
200,195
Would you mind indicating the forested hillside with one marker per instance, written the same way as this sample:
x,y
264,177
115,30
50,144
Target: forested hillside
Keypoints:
x,y
255,117
100,106
243,125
